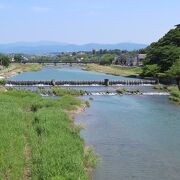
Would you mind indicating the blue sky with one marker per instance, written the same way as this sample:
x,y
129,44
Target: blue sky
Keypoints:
x,y
86,21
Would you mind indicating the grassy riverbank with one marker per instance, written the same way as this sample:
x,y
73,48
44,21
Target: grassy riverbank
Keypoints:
x,y
14,69
115,70
39,139
173,90
175,94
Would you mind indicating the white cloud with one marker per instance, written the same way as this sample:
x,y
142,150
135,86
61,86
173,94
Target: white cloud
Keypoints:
x,y
40,9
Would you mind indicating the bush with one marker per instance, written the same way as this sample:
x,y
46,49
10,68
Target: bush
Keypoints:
x,y
87,103
175,94
4,60
120,90
2,82
150,70
159,87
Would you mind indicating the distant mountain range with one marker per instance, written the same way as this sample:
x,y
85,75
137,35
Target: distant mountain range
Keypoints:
x,y
53,47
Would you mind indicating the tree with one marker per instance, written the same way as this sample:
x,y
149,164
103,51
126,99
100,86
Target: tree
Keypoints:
x,y
151,71
4,60
174,72
164,56
107,59
165,51
18,58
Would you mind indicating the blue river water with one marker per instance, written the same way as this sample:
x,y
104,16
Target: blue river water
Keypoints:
x,y
136,137
64,73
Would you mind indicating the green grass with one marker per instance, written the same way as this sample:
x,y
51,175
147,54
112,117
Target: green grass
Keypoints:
x,y
122,91
159,87
55,146
2,88
115,70
58,91
15,68
175,94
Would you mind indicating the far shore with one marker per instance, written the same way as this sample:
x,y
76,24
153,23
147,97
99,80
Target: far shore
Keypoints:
x,y
16,68
114,70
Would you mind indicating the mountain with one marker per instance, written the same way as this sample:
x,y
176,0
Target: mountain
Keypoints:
x,y
48,47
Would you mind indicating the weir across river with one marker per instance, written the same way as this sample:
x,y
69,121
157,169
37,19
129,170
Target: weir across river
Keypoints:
x,y
105,82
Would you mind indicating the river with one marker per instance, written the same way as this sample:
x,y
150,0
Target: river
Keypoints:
x,y
136,137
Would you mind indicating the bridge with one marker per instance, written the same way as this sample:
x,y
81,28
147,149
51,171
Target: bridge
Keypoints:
x,y
59,62
105,82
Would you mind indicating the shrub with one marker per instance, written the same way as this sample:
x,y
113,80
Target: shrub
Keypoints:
x,y
120,90
2,82
63,92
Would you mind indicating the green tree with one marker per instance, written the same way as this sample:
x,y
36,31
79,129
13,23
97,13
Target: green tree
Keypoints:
x,y
174,72
18,58
107,59
151,71
66,58
4,60
165,51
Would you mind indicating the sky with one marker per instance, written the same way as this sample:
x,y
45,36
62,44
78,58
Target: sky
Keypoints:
x,y
87,21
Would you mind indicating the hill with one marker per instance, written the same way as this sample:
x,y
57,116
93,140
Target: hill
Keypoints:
x,y
48,47
166,51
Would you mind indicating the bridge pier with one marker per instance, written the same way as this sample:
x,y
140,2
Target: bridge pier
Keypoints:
x,y
106,82
53,82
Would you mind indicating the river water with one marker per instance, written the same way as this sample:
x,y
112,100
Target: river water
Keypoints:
x,y
136,137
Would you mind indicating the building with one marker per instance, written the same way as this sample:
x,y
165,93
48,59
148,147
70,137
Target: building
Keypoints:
x,y
126,59
140,58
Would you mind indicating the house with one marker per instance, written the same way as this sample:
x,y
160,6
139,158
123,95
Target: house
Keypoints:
x,y
25,59
140,58
126,59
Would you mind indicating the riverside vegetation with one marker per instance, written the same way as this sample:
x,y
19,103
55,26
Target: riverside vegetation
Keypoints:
x,y
122,91
59,91
115,70
175,94
39,140
173,90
